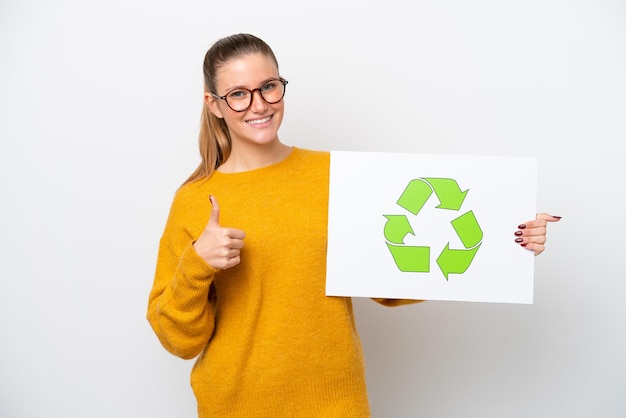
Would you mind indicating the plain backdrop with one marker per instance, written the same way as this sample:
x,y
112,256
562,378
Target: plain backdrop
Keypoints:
x,y
99,112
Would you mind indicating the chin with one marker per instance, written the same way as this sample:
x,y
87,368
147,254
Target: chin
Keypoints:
x,y
264,139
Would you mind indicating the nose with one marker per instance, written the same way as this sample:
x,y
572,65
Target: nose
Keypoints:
x,y
258,103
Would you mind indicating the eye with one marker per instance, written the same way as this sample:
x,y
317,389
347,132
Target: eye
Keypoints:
x,y
271,85
238,94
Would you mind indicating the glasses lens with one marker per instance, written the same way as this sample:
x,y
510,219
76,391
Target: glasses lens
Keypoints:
x,y
239,100
273,91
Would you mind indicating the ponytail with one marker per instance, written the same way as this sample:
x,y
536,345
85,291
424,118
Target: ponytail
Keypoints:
x,y
214,143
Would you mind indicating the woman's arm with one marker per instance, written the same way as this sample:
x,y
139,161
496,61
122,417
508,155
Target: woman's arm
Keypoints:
x,y
179,309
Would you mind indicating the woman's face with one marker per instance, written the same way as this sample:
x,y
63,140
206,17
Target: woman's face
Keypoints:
x,y
260,122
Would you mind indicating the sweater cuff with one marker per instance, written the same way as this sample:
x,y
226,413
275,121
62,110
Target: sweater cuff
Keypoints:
x,y
193,265
193,273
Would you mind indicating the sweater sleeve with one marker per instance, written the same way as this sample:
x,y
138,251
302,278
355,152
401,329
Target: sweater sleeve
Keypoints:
x,y
179,309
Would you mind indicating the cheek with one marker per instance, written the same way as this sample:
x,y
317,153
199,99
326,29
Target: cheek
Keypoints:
x,y
279,112
231,118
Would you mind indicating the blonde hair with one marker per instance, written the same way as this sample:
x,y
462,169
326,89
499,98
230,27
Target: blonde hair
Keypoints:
x,y
214,138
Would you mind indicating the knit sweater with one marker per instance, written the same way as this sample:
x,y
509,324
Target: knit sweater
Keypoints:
x,y
271,343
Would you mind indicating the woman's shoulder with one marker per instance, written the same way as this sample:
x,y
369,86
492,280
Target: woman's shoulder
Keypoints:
x,y
309,165
311,154
187,194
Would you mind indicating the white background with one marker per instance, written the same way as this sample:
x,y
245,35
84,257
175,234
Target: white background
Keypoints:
x,y
99,111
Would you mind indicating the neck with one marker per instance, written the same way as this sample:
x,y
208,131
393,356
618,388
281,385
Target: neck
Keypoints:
x,y
246,157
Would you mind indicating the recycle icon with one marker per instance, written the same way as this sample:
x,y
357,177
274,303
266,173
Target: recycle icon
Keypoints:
x,y
409,258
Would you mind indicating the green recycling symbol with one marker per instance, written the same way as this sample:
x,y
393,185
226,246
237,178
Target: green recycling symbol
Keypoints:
x,y
417,258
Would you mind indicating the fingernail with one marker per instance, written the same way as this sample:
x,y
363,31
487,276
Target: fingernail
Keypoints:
x,y
523,245
556,217
518,240
522,226
518,233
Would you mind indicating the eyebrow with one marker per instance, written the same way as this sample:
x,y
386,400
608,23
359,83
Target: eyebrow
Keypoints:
x,y
244,87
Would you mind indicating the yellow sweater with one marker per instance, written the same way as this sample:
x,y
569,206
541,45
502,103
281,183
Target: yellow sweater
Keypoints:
x,y
271,343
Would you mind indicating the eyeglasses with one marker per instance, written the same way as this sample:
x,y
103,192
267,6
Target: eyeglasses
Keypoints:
x,y
240,99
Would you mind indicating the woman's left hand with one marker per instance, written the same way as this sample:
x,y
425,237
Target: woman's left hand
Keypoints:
x,y
532,234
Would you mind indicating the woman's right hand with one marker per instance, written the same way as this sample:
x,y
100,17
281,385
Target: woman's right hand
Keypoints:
x,y
219,247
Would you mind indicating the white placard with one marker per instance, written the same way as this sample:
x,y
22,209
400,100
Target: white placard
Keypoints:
x,y
433,227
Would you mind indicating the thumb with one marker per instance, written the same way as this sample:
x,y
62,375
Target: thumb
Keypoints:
x,y
214,220
548,218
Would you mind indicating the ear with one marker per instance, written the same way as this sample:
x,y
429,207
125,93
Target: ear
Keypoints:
x,y
211,102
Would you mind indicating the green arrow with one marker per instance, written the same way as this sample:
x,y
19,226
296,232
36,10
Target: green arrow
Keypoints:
x,y
448,192
468,230
396,228
415,196
411,259
455,261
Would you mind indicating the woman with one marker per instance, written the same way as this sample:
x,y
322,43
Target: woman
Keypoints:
x,y
271,344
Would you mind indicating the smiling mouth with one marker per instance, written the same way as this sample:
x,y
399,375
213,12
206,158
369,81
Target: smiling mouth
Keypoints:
x,y
259,121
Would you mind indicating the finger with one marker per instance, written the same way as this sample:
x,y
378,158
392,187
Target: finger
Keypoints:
x,y
535,244
541,220
535,239
214,219
226,263
536,248
236,234
532,232
236,243
532,224
548,218
232,262
228,253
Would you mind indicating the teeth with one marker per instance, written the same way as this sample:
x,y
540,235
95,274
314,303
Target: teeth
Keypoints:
x,y
257,121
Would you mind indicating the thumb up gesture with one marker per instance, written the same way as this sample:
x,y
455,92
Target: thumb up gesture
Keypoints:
x,y
219,247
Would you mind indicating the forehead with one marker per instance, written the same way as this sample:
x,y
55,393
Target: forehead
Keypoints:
x,y
245,71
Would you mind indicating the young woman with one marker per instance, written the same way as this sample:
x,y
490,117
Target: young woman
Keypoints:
x,y
271,344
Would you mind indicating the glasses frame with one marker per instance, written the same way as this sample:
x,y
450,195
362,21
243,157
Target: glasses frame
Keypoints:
x,y
282,80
